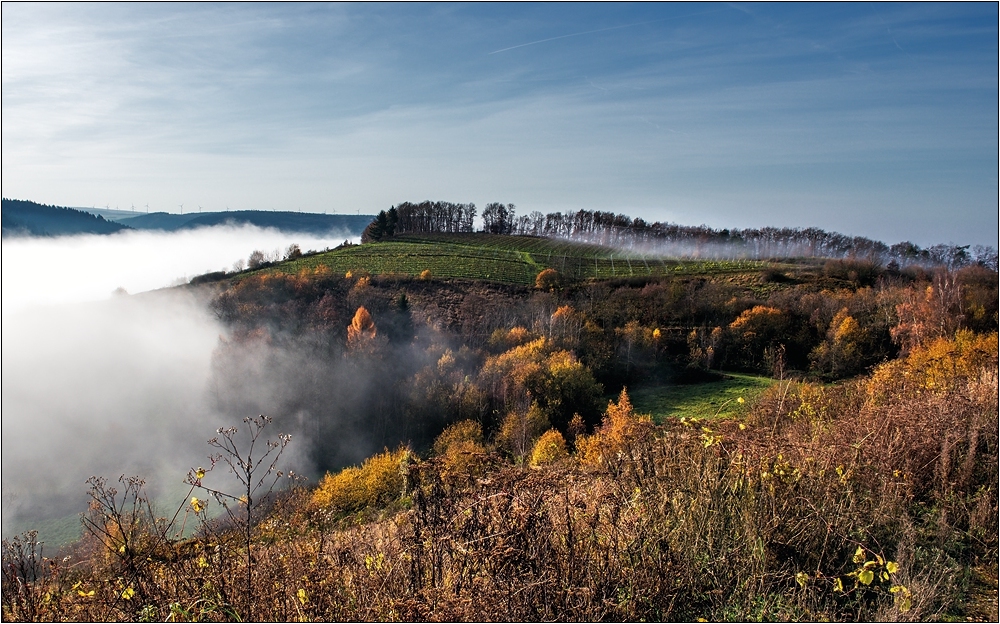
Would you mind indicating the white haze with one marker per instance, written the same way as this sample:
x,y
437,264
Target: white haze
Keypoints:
x,y
90,267
96,384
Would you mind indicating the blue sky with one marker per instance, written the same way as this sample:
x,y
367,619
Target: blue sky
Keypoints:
x,y
869,119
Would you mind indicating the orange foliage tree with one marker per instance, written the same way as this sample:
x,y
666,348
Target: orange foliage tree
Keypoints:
x,y
361,332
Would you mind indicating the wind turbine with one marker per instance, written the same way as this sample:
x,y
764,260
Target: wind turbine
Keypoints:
x,y
182,208
147,208
199,208
133,207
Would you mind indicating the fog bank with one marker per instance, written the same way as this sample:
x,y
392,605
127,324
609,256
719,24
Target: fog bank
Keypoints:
x,y
90,267
97,384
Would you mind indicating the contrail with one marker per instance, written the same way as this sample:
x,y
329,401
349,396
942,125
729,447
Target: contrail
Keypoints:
x,y
586,32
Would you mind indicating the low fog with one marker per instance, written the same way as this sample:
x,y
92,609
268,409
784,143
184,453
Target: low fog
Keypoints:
x,y
97,383
71,269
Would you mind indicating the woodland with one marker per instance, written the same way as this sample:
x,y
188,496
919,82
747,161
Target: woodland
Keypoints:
x,y
477,454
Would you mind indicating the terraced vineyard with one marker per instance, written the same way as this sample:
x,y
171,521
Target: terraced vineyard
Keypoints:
x,y
509,259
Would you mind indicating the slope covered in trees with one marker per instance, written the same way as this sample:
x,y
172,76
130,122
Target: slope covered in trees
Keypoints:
x,y
874,500
26,218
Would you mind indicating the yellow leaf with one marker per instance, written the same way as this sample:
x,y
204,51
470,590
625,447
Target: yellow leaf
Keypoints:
x,y
801,578
904,604
892,567
128,593
200,473
866,577
859,554
838,585
301,594
197,505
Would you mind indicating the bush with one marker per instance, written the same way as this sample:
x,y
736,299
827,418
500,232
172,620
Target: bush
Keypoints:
x,y
550,448
462,454
547,279
377,482
463,431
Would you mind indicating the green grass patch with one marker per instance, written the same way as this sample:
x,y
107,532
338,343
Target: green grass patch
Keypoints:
x,y
700,400
54,532
509,259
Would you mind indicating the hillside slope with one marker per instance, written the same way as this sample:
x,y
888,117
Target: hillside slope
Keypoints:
x,y
506,259
27,218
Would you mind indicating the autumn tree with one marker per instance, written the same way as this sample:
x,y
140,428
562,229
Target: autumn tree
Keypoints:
x,y
537,371
361,333
520,429
934,313
841,352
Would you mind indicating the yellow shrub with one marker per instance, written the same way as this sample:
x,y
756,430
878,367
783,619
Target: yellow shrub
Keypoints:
x,y
462,462
937,366
551,447
460,447
378,481
462,431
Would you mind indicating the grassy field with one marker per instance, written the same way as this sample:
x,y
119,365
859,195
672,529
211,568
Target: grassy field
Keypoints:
x,y
509,259
702,400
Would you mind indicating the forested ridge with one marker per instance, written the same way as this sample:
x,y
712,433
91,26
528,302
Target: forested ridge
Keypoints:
x,y
619,230
27,218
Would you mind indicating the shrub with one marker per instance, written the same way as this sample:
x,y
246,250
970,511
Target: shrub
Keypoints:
x,y
550,448
463,431
547,279
460,447
377,482
618,438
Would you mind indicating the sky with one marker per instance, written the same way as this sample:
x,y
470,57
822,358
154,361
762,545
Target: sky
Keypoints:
x,y
877,120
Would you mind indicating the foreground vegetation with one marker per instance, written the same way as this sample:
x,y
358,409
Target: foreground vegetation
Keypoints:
x,y
875,499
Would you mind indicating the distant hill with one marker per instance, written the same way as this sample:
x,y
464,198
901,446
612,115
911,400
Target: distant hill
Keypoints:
x,y
27,218
305,222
